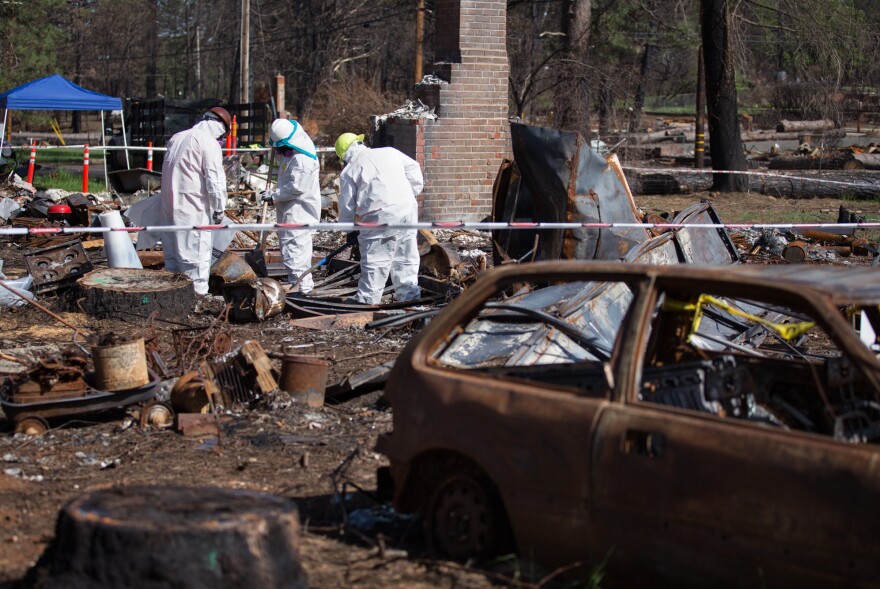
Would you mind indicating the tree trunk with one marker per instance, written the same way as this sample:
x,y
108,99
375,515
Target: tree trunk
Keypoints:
x,y
833,162
768,135
860,185
572,93
635,121
605,100
725,142
110,291
820,125
850,184
152,17
167,536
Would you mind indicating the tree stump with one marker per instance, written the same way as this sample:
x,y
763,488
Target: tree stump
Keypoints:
x,y
160,537
113,290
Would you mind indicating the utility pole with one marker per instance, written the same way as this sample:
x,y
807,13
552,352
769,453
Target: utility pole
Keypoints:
x,y
420,38
245,47
699,129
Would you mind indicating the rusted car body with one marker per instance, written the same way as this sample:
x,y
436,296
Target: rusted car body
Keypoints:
x,y
677,425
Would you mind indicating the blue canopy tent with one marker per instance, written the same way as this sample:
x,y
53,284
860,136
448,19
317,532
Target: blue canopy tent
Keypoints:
x,y
57,93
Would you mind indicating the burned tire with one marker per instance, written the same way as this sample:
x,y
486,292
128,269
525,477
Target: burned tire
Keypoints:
x,y
465,519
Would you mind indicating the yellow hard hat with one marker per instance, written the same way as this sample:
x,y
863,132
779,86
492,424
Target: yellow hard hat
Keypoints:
x,y
344,142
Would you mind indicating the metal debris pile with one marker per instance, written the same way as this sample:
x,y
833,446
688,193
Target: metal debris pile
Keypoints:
x,y
805,246
413,109
114,373
75,381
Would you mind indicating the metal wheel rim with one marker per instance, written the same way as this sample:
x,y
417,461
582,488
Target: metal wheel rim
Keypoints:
x,y
158,416
32,425
463,522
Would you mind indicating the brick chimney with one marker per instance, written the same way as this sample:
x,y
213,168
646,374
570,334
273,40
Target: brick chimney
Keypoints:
x,y
461,149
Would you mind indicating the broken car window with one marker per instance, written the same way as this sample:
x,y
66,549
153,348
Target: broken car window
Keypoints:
x,y
573,324
763,364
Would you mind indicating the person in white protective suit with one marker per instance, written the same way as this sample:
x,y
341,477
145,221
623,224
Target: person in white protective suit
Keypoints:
x,y
297,198
194,193
380,186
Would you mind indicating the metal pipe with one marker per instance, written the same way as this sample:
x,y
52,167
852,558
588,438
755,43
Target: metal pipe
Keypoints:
x,y
104,153
3,133
124,139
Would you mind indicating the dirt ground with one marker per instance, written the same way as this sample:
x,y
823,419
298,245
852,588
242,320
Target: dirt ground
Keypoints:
x,y
323,459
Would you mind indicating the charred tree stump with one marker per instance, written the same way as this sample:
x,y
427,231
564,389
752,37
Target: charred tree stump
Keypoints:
x,y
110,291
159,537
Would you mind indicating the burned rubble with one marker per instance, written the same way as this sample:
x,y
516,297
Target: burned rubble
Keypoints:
x,y
259,388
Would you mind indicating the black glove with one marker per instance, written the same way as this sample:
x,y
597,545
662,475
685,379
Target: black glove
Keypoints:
x,y
217,218
351,236
267,196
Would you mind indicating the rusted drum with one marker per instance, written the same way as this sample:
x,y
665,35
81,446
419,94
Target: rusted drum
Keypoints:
x,y
796,252
305,378
120,367
230,268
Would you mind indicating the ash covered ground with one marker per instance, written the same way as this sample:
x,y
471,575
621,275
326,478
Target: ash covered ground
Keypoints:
x,y
323,459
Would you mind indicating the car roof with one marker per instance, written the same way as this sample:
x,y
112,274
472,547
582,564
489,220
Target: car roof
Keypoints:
x,y
843,285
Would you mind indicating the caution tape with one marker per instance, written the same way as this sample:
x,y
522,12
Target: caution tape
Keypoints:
x,y
754,173
475,226
787,331
143,148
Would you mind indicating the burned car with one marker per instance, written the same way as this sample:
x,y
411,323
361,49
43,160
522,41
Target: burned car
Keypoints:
x,y
688,425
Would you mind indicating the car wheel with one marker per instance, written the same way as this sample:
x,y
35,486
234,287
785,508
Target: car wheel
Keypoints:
x,y
464,518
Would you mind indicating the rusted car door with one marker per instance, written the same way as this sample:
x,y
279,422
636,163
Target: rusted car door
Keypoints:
x,y
525,421
689,498
721,503
533,444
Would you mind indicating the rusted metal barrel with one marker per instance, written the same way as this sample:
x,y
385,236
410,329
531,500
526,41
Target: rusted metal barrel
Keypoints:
x,y
305,378
120,367
230,268
796,252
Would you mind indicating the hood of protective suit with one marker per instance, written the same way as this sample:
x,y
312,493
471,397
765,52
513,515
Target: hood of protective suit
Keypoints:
x,y
353,150
215,128
301,142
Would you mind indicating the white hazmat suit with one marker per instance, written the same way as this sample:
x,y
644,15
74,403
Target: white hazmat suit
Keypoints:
x,y
297,200
380,186
193,192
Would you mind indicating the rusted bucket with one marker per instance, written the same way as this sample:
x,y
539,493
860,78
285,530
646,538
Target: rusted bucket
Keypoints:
x,y
305,378
120,367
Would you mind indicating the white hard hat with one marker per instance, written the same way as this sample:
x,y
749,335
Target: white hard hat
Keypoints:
x,y
282,132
